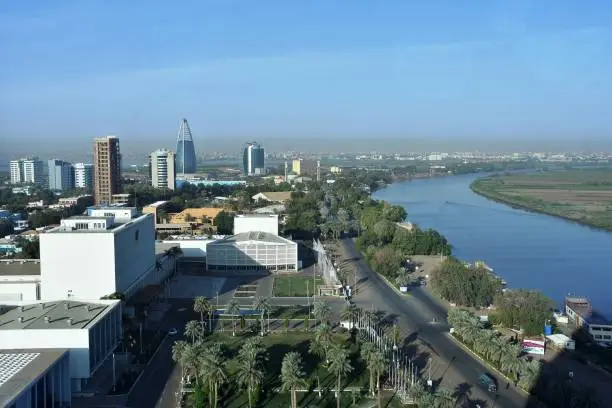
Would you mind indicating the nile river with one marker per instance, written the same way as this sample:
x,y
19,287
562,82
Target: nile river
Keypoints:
x,y
528,250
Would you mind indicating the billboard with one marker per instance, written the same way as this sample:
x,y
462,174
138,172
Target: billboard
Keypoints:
x,y
533,346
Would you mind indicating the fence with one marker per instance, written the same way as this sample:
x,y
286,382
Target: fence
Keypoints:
x,y
324,265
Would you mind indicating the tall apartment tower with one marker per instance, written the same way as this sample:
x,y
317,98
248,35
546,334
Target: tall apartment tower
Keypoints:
x,y
107,169
186,162
253,159
84,175
162,169
61,175
27,170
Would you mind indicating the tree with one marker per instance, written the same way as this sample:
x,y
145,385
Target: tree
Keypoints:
x,y
340,365
322,341
201,305
367,354
6,228
224,221
524,309
292,375
321,310
233,309
213,370
378,363
178,350
384,230
350,313
193,329
250,371
443,398
263,305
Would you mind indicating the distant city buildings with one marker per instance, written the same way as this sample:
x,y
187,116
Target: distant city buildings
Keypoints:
x,y
61,175
305,167
107,169
28,170
185,151
84,176
162,169
253,158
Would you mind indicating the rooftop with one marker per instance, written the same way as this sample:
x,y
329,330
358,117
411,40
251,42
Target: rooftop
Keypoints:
x,y
62,314
252,237
18,368
257,215
582,307
278,196
157,204
19,267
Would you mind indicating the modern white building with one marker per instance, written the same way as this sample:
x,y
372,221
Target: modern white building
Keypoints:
x,y
35,378
61,175
89,330
19,280
83,175
256,222
88,257
252,251
27,170
580,312
162,169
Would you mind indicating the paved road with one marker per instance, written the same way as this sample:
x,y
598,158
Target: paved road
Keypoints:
x,y
415,315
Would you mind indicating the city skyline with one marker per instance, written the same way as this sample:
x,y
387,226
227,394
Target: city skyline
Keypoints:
x,y
485,71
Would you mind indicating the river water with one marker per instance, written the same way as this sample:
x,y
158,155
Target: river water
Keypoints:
x,y
528,250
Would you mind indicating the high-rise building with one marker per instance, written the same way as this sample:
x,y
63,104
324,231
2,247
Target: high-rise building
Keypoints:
x,y
61,175
27,170
253,159
162,169
84,175
185,151
107,169
305,167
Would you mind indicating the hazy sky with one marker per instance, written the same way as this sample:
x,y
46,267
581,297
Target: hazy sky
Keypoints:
x,y
257,69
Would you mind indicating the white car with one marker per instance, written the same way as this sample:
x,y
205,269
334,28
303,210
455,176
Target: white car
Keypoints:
x,y
173,332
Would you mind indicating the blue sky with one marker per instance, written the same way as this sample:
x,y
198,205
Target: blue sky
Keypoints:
x,y
247,68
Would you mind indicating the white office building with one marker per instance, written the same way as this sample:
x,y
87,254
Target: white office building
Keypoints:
x,y
256,222
19,280
162,169
27,170
61,175
87,257
89,330
83,175
252,251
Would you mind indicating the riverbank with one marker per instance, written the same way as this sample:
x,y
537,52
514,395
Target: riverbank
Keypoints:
x,y
577,196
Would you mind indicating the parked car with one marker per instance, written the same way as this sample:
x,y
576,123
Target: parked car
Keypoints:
x,y
488,381
173,332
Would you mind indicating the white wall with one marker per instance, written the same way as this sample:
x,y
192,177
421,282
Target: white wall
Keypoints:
x,y
16,290
248,223
134,257
83,262
191,248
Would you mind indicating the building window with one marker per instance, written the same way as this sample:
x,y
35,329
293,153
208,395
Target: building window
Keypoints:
x,y
136,235
598,336
595,328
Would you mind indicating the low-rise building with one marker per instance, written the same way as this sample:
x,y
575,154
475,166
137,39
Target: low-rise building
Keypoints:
x,y
252,251
9,247
89,330
273,196
158,209
256,222
204,215
580,312
19,280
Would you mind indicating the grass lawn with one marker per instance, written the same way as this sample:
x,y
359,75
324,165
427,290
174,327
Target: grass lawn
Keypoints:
x,y
277,346
287,286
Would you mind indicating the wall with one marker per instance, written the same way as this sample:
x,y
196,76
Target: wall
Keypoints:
x,y
17,289
247,224
134,257
83,262
192,248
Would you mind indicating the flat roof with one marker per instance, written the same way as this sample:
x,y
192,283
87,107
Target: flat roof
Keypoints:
x,y
51,315
252,236
20,367
20,267
256,215
157,204
115,227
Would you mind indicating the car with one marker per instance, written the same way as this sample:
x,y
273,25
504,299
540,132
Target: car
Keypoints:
x,y
489,382
173,332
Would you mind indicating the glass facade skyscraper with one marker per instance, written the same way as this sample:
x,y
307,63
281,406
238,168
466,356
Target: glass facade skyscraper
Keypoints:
x,y
253,159
185,152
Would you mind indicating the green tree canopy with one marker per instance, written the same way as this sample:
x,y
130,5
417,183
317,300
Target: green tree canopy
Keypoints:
x,y
224,222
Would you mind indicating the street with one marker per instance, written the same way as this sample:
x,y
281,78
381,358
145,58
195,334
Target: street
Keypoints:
x,y
415,314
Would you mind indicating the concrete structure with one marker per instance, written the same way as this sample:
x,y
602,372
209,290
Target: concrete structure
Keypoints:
x,y
580,312
252,251
107,169
273,197
561,341
61,175
35,378
84,176
195,214
27,170
253,159
335,169
91,331
93,256
305,167
206,183
121,199
256,222
19,280
82,200
162,169
154,208
271,209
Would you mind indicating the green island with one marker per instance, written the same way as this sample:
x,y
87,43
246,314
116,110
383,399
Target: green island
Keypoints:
x,y
580,195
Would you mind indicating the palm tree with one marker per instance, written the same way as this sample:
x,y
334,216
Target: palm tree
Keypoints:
x,y
340,365
250,372
233,308
350,313
378,364
263,305
178,350
443,398
292,375
530,374
213,371
201,305
193,330
367,351
462,394
322,340
321,310
191,359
